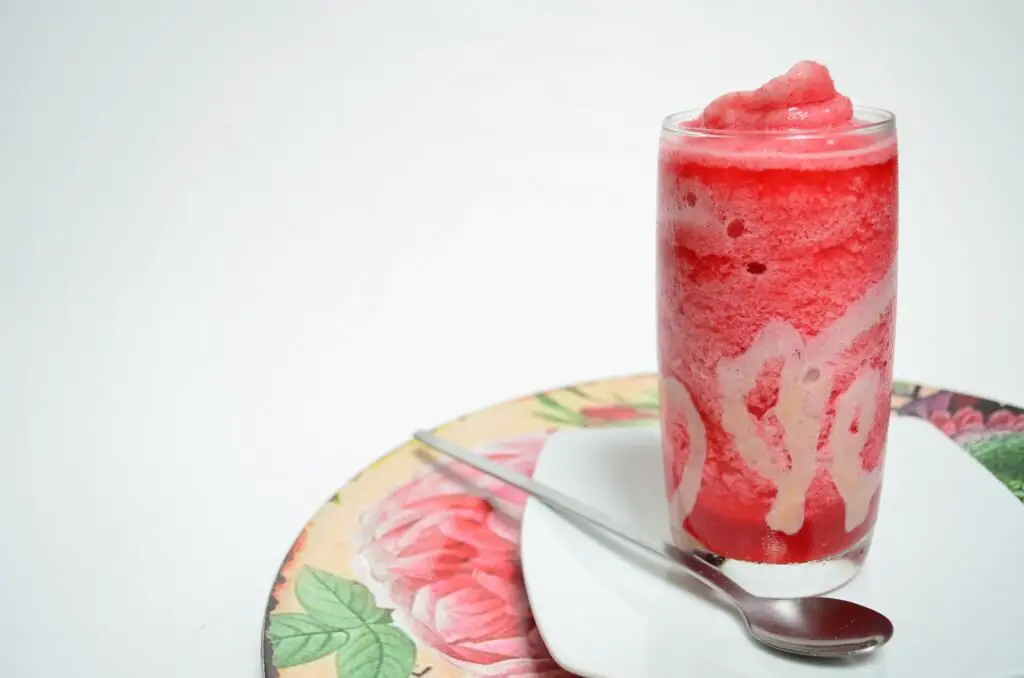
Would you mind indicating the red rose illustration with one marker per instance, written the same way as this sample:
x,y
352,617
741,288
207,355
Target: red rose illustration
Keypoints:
x,y
964,420
450,564
1005,420
963,417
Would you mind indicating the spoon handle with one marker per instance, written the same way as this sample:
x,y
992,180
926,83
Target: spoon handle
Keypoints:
x,y
565,504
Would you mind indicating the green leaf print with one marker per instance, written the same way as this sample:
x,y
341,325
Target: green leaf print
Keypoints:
x,y
631,423
904,388
578,392
377,652
648,401
1017,487
340,615
342,603
1003,455
567,415
549,402
554,419
299,639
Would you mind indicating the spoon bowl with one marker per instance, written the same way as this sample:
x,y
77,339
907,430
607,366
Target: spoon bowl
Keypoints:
x,y
820,627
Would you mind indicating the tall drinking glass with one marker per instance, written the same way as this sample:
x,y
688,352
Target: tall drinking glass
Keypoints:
x,y
776,301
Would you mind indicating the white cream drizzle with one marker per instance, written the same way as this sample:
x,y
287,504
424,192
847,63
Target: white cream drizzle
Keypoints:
x,y
806,380
856,486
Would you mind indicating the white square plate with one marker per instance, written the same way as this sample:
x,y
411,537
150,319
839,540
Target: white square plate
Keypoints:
x,y
946,566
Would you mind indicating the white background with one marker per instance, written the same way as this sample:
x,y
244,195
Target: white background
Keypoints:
x,y
246,247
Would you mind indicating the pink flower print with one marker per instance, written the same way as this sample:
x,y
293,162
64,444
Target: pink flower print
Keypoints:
x,y
1005,420
450,564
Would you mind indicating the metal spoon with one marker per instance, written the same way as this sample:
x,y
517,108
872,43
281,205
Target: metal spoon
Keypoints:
x,y
813,627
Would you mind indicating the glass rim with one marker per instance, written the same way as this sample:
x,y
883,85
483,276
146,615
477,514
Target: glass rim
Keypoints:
x,y
867,120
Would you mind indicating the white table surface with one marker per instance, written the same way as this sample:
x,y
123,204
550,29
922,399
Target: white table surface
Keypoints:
x,y
246,247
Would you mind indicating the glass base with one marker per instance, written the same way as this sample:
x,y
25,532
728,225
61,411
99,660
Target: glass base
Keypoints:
x,y
795,580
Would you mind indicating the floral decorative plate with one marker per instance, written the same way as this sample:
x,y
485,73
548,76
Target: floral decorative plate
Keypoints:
x,y
405,573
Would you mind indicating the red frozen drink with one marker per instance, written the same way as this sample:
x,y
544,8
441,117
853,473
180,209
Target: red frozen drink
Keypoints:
x,y
777,225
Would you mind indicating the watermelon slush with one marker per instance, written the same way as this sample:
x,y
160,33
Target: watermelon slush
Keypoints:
x,y
777,230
